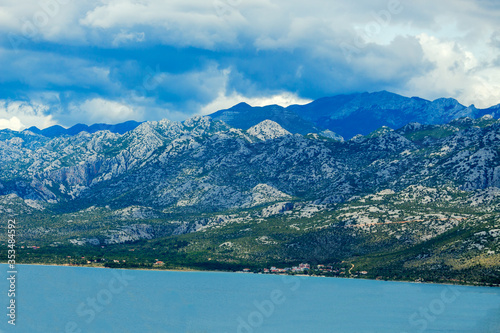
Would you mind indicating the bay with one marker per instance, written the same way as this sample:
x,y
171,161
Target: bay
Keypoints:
x,y
75,299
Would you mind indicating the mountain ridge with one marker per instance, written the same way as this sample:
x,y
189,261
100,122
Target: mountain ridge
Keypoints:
x,y
359,113
57,130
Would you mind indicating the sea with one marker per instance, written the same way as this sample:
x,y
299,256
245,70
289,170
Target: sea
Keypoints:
x,y
52,299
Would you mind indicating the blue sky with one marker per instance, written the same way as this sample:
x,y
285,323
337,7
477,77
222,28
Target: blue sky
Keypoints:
x,y
65,62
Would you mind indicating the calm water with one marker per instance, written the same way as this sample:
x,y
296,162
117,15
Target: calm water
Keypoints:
x,y
70,299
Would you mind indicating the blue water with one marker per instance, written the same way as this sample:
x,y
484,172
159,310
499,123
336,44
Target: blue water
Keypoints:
x,y
70,299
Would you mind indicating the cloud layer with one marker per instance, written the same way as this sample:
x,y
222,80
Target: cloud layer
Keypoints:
x,y
111,61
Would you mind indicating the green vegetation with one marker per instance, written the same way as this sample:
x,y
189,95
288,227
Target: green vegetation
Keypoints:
x,y
391,236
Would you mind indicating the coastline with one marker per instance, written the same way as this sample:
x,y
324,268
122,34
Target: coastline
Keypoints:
x,y
186,270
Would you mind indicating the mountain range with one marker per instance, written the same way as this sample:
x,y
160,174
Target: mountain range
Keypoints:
x,y
418,201
346,115
349,115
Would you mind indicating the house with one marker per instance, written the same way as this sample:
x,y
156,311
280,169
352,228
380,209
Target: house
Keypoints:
x,y
246,270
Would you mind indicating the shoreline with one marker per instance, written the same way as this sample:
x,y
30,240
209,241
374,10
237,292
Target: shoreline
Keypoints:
x,y
187,270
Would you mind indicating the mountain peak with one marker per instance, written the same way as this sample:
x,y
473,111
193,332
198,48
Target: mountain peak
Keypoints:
x,y
241,105
380,132
331,135
197,120
446,101
267,130
244,116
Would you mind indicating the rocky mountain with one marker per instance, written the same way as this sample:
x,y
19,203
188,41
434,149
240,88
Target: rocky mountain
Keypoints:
x,y
420,191
207,165
349,115
267,130
245,116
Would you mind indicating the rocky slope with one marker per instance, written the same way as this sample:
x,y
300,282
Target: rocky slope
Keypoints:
x,y
203,164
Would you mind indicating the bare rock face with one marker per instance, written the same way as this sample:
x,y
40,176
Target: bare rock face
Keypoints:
x,y
276,209
263,193
130,233
267,130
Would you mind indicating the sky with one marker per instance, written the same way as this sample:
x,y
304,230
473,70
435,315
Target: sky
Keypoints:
x,y
64,62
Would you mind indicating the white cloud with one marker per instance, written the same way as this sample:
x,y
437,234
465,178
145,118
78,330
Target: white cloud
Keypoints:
x,y
181,23
457,73
224,101
50,20
99,110
7,20
125,37
18,115
13,123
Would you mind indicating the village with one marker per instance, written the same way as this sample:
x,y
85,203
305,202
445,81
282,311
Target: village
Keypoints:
x,y
332,269
306,269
